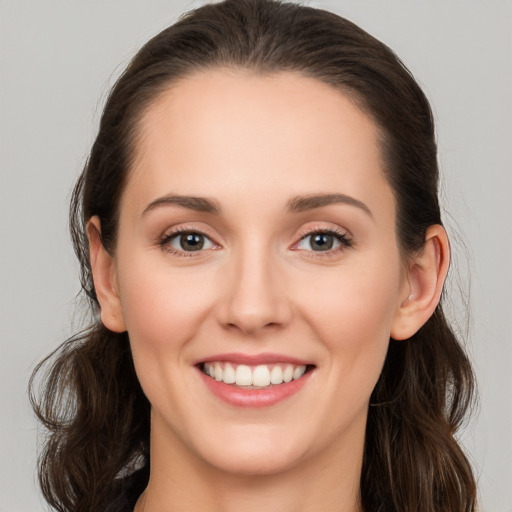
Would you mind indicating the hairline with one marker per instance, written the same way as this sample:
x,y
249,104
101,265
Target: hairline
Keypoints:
x,y
137,133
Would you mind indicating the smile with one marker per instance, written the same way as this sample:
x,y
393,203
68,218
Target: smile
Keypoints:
x,y
254,381
253,377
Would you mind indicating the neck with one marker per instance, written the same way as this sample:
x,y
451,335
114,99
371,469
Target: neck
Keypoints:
x,y
181,481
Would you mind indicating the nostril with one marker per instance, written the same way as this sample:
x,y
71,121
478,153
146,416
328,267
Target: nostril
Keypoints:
x,y
248,327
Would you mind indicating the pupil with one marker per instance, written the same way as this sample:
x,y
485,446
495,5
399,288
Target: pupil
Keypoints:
x,y
192,241
322,242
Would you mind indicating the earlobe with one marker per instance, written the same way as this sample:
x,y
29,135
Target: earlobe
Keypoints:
x,y
105,279
423,284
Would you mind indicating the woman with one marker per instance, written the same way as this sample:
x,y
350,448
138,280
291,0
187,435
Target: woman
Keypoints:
x,y
259,232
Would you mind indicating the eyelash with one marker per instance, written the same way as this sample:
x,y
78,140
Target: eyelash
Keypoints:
x,y
169,237
342,237
344,241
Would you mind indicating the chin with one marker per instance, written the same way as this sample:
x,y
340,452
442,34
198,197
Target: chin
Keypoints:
x,y
247,461
252,451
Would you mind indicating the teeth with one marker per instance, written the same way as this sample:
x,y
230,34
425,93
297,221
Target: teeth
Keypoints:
x,y
288,373
297,373
258,376
276,375
261,376
229,374
243,375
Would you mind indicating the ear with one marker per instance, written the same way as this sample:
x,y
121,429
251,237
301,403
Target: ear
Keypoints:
x,y
105,279
423,284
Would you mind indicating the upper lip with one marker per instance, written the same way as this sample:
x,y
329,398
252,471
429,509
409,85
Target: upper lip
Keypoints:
x,y
253,359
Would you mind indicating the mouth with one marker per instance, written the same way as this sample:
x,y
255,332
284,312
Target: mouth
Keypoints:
x,y
247,381
261,376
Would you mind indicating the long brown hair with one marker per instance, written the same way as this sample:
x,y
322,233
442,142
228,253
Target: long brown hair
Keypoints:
x,y
96,455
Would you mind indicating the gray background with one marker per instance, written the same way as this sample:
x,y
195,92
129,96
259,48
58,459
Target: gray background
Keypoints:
x,y
57,61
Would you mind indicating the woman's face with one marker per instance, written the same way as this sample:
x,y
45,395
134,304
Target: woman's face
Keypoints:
x,y
257,242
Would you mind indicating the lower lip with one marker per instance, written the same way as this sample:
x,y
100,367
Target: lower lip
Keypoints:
x,y
265,397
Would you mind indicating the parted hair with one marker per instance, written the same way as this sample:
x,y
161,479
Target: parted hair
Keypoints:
x,y
95,455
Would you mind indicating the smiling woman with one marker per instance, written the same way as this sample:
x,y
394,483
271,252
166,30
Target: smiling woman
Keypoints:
x,y
259,230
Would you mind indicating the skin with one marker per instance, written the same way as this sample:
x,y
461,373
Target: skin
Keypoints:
x,y
252,144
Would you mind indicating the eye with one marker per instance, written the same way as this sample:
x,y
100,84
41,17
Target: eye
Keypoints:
x,y
322,241
187,241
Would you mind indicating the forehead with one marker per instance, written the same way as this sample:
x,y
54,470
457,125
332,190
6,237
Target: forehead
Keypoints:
x,y
222,128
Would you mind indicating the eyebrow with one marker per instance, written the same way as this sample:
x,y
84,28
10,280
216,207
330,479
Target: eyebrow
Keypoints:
x,y
297,204
304,203
199,204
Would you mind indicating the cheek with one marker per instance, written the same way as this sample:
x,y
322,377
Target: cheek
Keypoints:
x,y
162,311
161,307
352,313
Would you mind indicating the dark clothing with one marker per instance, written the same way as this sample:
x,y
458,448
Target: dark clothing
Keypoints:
x,y
127,491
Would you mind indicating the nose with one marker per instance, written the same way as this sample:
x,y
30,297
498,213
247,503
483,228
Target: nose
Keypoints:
x,y
255,298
